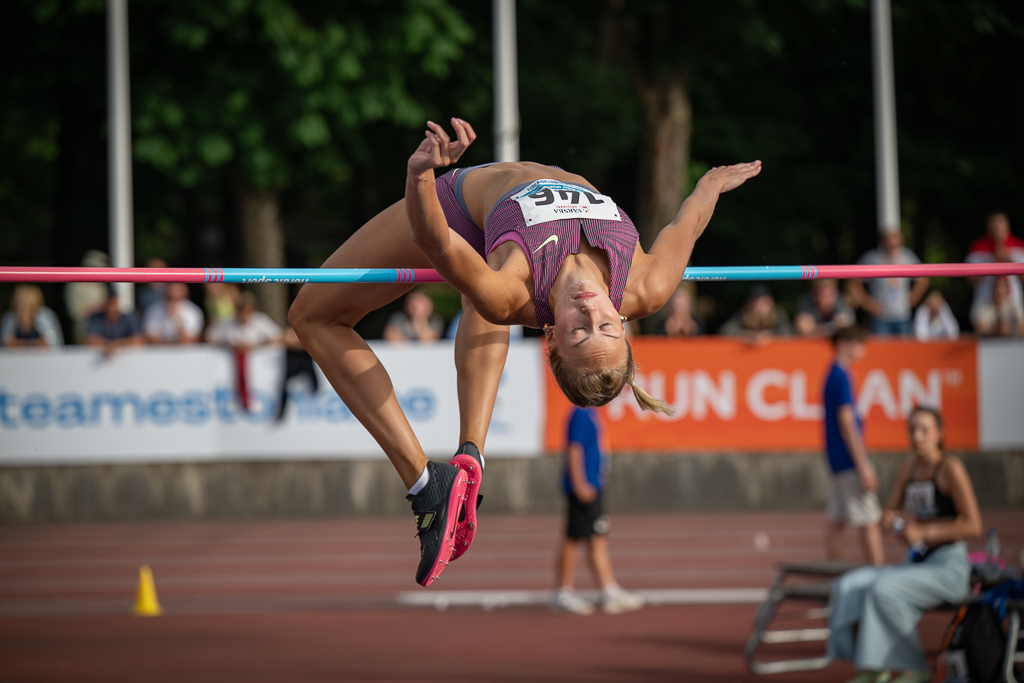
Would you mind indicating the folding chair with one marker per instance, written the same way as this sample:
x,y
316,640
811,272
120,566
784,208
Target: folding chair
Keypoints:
x,y
782,590
1013,639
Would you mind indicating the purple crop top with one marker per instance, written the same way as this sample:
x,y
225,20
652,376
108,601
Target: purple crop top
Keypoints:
x,y
524,215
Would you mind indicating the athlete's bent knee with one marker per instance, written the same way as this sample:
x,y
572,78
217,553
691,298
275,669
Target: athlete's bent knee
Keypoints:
x,y
300,313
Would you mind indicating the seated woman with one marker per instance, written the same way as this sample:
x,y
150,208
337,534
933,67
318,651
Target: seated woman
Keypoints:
x,y
886,603
525,244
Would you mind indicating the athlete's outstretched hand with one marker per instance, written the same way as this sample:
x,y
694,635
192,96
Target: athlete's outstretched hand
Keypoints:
x,y
438,150
725,178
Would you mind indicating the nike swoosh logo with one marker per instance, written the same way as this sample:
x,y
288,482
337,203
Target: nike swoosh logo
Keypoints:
x,y
553,238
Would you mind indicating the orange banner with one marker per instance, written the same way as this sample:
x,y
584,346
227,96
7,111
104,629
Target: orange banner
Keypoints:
x,y
729,395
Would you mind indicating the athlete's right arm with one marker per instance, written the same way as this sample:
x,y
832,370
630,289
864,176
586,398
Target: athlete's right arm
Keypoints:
x,y
494,293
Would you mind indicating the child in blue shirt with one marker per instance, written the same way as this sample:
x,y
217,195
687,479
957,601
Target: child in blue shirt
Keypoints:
x,y
586,467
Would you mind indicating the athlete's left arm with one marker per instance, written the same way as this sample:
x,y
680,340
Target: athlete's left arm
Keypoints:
x,y
664,265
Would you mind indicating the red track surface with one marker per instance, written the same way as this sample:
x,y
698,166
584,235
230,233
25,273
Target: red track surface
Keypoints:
x,y
315,601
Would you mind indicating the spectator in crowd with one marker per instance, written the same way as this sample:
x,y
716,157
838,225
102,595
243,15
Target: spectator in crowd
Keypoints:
x,y
29,322
250,329
998,245
82,299
875,610
152,292
934,319
822,311
220,301
760,319
416,321
852,499
888,301
586,466
681,321
1001,317
110,329
175,320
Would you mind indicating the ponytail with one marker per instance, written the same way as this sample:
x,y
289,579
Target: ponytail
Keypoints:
x,y
648,402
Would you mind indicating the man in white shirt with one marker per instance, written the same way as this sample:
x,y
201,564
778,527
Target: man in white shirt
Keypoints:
x,y
175,320
250,328
889,301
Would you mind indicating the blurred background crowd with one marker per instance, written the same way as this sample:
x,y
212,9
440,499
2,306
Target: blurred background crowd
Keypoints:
x,y
229,316
265,132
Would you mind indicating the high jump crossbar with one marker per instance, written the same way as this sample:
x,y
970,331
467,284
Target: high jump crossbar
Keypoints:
x,y
417,275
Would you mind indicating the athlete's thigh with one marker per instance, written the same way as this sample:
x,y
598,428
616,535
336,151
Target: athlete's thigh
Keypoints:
x,y
384,242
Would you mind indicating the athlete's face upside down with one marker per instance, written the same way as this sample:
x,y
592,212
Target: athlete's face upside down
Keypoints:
x,y
587,346
588,331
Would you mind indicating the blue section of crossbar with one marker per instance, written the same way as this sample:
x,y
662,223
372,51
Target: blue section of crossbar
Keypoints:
x,y
406,275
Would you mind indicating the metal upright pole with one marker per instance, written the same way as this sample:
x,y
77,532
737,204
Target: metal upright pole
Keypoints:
x,y
506,82
119,172
887,178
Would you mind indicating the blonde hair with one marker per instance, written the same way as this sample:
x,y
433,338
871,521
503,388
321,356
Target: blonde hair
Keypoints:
x,y
600,387
27,300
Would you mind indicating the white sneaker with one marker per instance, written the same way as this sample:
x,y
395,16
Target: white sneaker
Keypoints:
x,y
570,601
621,601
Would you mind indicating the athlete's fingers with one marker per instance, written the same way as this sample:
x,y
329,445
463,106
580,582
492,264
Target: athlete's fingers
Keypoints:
x,y
470,133
437,149
464,132
439,131
443,141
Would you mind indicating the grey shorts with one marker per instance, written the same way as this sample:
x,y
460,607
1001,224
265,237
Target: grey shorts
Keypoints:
x,y
848,501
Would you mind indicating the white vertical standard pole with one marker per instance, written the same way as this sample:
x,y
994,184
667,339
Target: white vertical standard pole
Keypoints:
x,y
887,175
506,82
119,152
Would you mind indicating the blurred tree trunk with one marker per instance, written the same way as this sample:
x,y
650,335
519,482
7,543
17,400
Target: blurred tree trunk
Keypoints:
x,y
263,245
664,177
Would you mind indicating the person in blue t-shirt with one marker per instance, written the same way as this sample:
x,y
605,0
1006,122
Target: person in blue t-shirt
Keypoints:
x,y
586,468
852,498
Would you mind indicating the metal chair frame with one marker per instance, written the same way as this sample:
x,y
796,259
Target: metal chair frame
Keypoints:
x,y
780,592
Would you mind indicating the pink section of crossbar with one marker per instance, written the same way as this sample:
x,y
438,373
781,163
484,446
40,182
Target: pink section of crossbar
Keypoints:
x,y
55,274
919,270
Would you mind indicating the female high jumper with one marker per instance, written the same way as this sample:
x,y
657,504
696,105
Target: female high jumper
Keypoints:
x,y
553,253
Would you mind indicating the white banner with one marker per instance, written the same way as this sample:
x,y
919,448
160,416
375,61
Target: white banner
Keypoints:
x,y
73,406
1000,394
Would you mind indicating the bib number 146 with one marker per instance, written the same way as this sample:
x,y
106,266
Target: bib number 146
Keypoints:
x,y
547,200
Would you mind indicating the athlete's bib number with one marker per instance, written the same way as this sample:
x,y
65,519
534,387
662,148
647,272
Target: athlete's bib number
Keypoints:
x,y
547,200
919,497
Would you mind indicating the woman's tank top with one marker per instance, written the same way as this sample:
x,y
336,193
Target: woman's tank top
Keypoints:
x,y
925,500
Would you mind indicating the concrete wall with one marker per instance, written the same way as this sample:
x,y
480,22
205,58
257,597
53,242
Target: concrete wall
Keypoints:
x,y
529,485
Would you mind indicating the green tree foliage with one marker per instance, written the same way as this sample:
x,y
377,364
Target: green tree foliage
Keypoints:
x,y
281,91
320,102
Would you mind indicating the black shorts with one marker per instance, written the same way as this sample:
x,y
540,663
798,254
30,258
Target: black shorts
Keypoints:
x,y
587,519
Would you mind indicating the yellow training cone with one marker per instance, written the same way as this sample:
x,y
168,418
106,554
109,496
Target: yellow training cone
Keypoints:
x,y
146,604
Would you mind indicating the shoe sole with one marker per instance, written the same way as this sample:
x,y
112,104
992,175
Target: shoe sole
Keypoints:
x,y
456,500
465,531
622,609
